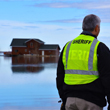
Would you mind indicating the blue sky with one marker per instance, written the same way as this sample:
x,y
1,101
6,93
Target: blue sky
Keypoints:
x,y
52,21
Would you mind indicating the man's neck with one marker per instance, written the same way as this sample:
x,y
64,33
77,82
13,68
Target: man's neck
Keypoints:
x,y
88,33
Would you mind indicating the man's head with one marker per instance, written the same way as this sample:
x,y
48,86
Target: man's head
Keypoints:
x,y
91,23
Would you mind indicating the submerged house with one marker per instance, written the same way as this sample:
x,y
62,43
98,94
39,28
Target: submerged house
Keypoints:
x,y
33,46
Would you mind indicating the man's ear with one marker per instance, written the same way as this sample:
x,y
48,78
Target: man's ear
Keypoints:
x,y
96,28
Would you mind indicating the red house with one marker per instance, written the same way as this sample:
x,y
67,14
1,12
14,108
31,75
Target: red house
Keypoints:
x,y
33,46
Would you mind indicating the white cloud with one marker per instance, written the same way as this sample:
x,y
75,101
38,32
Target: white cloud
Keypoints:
x,y
53,5
106,6
6,23
66,21
82,5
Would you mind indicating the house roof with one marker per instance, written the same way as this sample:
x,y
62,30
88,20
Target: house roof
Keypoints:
x,y
22,42
49,47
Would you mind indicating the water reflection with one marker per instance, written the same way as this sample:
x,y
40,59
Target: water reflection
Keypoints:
x,y
27,69
31,64
33,91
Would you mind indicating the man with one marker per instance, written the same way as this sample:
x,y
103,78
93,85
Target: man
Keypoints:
x,y
83,72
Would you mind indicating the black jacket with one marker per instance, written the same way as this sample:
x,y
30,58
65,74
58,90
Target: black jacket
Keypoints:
x,y
94,92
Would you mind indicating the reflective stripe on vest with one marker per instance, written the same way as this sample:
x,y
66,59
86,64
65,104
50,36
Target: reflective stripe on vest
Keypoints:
x,y
67,52
81,72
83,76
91,54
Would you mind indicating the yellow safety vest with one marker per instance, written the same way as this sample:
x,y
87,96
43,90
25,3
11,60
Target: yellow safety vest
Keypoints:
x,y
80,60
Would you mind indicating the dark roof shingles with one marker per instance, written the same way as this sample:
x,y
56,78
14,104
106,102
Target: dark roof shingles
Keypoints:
x,y
21,42
49,47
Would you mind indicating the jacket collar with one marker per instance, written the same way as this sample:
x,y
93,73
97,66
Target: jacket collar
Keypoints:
x,y
88,33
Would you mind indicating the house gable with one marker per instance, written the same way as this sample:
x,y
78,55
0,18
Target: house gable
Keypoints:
x,y
37,40
33,44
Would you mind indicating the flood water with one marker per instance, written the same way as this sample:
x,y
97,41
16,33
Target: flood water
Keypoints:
x,y
28,83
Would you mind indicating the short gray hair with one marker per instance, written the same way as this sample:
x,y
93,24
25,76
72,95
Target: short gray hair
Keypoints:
x,y
90,22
